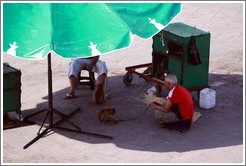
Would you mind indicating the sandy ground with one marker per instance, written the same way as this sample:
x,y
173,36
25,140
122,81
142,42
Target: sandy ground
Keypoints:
x,y
216,137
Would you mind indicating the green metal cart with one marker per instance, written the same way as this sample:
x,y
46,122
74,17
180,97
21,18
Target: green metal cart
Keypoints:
x,y
172,53
11,89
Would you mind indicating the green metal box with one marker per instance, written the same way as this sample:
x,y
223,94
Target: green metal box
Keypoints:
x,y
173,43
11,89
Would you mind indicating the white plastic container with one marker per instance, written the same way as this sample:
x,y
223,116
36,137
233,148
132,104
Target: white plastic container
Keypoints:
x,y
207,98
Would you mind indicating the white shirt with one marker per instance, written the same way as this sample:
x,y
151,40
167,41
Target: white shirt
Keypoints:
x,y
171,93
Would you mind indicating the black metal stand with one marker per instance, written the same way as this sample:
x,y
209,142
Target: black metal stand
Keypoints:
x,y
51,111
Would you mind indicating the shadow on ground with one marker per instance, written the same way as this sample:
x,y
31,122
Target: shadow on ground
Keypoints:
x,y
221,126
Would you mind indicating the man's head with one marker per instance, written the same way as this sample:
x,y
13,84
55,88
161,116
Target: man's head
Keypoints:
x,y
170,81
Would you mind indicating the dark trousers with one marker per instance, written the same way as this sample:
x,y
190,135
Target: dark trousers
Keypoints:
x,y
180,125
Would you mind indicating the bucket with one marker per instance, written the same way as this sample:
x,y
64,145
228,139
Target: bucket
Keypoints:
x,y
207,98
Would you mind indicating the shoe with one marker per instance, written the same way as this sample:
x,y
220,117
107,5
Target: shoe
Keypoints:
x,y
174,128
176,131
69,96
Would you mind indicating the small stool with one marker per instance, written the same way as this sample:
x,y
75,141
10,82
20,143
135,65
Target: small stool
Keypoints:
x,y
87,80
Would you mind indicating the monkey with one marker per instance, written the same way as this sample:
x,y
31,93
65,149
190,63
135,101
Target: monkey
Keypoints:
x,y
106,115
99,94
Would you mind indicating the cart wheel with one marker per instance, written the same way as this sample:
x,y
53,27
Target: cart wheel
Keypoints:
x,y
127,79
147,72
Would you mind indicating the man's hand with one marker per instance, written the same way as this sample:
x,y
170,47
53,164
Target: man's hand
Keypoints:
x,y
93,62
160,107
154,105
89,66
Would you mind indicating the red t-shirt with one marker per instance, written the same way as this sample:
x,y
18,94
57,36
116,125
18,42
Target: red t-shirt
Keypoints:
x,y
182,97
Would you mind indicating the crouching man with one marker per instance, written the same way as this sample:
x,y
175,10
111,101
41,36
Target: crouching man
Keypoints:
x,y
177,112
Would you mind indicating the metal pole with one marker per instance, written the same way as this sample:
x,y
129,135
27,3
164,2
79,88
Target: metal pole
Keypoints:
x,y
50,95
51,111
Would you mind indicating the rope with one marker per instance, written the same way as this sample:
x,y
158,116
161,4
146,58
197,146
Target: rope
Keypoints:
x,y
145,110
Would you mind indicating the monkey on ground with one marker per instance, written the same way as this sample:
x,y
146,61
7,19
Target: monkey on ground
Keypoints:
x,y
106,115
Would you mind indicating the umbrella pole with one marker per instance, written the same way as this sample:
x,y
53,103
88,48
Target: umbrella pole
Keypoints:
x,y
51,111
50,90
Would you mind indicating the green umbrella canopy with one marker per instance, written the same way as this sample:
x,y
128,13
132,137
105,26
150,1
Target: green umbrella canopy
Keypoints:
x,y
32,30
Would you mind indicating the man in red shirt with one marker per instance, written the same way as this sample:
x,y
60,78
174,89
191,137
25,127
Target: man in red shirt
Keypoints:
x,y
177,113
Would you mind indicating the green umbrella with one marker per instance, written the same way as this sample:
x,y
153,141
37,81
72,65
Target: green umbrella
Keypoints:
x,y
32,30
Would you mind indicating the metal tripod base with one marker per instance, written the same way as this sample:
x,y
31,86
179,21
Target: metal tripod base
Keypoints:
x,y
51,111
49,114
65,118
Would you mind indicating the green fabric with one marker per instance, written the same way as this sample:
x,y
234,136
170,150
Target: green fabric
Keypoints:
x,y
73,29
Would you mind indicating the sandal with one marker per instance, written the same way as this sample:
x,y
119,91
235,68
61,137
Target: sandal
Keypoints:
x,y
69,96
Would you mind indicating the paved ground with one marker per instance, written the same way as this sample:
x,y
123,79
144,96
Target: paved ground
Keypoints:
x,y
216,137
